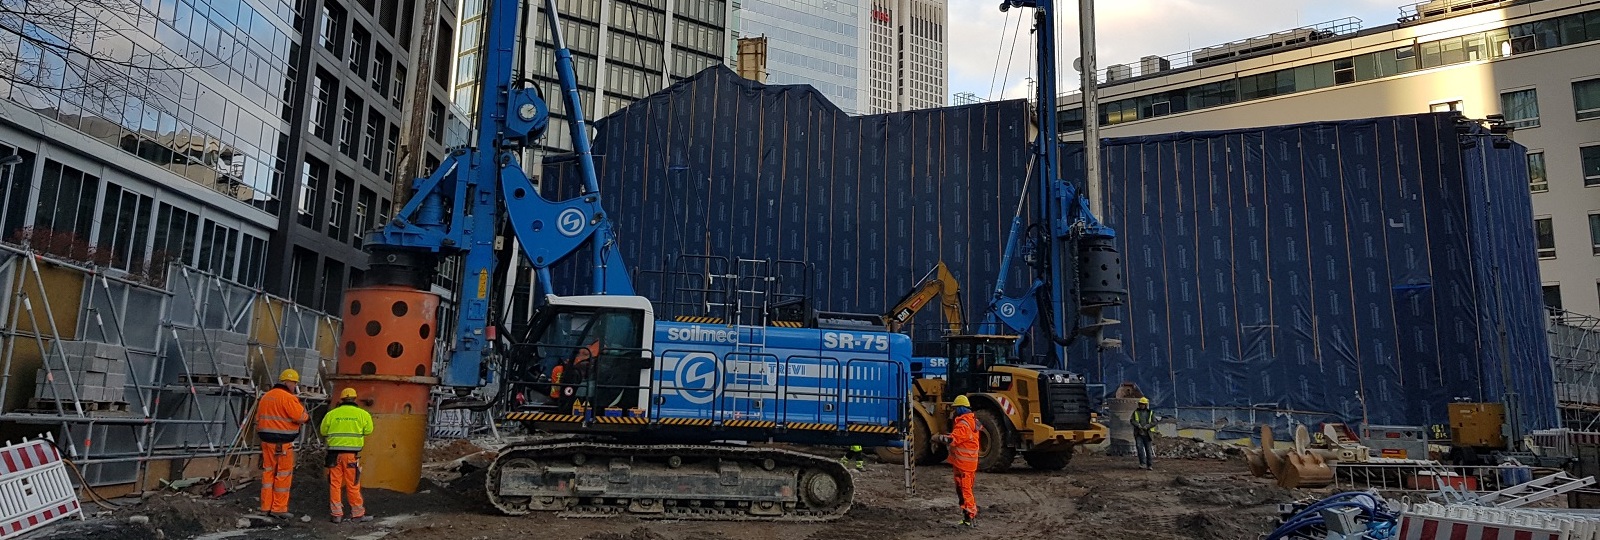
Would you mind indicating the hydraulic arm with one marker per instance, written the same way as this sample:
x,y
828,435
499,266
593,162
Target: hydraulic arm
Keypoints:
x,y
939,282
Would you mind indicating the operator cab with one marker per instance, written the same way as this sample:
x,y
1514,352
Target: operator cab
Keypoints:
x,y
971,358
596,345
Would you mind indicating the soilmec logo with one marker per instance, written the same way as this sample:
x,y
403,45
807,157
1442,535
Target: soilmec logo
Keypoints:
x,y
1008,309
696,378
696,333
570,222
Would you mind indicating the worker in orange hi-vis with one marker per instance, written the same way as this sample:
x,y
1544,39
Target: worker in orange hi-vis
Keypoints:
x,y
279,416
963,442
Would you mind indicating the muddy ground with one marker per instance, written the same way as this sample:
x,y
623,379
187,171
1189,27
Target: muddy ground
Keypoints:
x,y
1095,497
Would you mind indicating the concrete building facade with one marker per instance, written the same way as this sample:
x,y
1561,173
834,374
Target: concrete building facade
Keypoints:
x,y
1535,62
622,51
908,48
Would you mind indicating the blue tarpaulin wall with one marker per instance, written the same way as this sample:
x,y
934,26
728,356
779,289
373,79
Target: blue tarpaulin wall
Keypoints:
x,y
1361,271
721,165
1339,270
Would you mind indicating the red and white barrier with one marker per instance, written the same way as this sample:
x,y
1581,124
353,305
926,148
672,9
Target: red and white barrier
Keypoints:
x,y
1433,521
1433,528
34,487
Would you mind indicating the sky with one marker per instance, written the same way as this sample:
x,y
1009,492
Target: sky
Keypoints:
x,y
983,60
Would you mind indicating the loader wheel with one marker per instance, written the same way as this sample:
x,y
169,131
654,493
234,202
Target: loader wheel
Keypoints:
x,y
923,451
1047,461
996,451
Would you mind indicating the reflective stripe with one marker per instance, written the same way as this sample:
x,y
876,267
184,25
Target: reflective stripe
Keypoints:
x,y
275,418
346,448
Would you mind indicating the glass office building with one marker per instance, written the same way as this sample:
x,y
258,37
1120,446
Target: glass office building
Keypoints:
x,y
814,42
154,131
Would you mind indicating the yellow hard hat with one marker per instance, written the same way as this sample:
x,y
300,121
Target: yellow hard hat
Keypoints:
x,y
348,393
962,401
1144,401
289,375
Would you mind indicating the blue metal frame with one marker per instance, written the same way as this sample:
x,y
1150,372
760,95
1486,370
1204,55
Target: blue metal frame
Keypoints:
x,y
455,210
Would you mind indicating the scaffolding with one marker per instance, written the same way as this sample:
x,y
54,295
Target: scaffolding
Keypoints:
x,y
1575,356
142,383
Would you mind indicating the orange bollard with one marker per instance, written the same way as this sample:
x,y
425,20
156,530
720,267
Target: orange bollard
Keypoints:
x,y
386,354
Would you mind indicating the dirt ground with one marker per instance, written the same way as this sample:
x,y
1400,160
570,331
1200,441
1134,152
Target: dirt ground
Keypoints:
x,y
1095,497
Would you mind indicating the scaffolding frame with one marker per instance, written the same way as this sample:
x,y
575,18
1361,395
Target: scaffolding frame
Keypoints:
x,y
1575,358
208,420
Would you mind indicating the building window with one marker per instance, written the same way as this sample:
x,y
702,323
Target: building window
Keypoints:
x,y
1594,232
363,223
1545,230
443,50
349,124
1586,98
176,230
1537,181
1552,297
1591,165
124,227
336,216
370,140
332,28
381,70
313,183
252,261
65,211
389,149
1445,106
322,107
360,41
436,121
218,249
1521,108
399,86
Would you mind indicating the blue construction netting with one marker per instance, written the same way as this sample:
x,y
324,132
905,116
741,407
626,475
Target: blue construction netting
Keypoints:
x,y
1358,271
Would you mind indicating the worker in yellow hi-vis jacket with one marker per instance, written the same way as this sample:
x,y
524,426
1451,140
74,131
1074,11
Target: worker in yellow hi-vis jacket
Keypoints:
x,y
346,428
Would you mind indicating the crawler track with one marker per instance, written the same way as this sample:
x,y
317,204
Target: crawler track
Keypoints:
x,y
699,482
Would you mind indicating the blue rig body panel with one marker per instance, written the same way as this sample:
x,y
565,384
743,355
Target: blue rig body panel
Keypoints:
x,y
759,383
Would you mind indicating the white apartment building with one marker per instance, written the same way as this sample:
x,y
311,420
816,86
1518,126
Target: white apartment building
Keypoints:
x,y
1535,62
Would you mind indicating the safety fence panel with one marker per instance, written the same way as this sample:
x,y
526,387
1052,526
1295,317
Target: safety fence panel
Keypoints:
x,y
34,488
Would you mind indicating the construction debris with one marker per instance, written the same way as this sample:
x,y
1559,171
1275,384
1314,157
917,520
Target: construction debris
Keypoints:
x,y
1193,448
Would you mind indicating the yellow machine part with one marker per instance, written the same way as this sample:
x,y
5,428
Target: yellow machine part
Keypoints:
x,y
1477,425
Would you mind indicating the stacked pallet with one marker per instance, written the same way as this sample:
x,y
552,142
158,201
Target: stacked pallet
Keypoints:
x,y
309,363
94,374
214,356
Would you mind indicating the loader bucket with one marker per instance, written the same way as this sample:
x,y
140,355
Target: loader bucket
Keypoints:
x,y
1306,470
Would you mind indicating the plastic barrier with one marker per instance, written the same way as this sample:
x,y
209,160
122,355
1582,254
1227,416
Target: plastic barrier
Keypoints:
x,y
34,488
1431,521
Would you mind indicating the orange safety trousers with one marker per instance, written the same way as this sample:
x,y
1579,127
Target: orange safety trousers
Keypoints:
x,y
344,482
964,492
277,473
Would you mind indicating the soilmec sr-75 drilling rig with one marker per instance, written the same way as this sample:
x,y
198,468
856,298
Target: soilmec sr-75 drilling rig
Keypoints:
x,y
1041,412
642,401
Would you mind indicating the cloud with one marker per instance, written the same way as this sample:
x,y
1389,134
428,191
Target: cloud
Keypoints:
x,y
1126,31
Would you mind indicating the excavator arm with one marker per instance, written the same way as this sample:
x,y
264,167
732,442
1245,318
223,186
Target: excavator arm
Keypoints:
x,y
939,282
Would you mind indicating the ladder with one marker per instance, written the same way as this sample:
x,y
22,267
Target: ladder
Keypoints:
x,y
1536,490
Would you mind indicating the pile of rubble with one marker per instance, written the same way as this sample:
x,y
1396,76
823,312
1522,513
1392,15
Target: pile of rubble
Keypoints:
x,y
1192,448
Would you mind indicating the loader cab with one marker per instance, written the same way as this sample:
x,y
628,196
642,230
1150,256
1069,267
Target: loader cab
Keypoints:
x,y
600,345
971,358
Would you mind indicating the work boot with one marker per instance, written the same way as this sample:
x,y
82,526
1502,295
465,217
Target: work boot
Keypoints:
x,y
362,519
337,519
282,515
